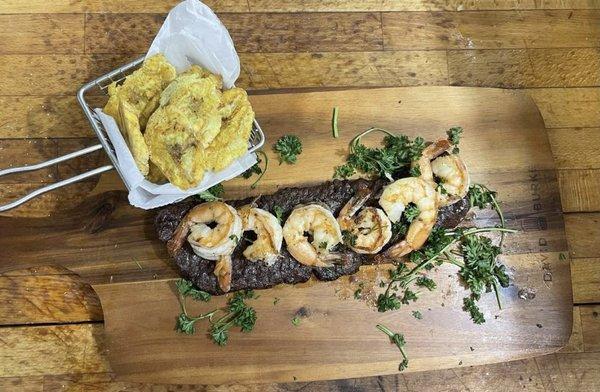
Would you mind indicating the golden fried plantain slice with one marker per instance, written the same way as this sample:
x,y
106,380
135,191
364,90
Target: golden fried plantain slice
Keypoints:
x,y
139,93
185,123
155,176
131,128
232,142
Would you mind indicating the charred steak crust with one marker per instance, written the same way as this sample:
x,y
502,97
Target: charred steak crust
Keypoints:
x,y
257,275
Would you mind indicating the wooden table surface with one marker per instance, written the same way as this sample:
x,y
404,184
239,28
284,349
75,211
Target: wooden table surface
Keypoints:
x,y
51,325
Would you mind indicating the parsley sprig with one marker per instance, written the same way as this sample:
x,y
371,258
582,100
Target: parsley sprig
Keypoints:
x,y
288,147
255,169
390,161
479,268
213,193
398,340
236,314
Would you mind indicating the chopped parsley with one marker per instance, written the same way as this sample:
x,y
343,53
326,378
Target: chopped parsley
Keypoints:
x,y
255,169
288,148
416,314
278,211
236,314
398,340
296,321
213,193
390,161
349,238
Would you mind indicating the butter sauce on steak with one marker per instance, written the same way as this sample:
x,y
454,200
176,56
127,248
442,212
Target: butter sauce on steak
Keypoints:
x,y
257,275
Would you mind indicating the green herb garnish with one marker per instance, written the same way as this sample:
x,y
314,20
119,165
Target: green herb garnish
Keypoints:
x,y
416,314
390,161
398,340
334,123
454,135
187,289
213,193
296,321
349,238
426,282
343,171
470,306
278,211
255,169
288,147
236,314
411,212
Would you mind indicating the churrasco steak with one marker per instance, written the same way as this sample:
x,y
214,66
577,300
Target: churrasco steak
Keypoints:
x,y
257,275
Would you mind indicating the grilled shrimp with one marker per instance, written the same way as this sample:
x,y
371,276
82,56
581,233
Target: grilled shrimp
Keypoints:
x,y
269,235
452,170
325,230
419,191
394,200
430,152
209,243
371,229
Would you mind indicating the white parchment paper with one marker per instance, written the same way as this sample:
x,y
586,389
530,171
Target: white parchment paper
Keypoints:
x,y
191,34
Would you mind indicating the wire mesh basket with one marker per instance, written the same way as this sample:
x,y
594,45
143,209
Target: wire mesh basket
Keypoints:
x,y
94,88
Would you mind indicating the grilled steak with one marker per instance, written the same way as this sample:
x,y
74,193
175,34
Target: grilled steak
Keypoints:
x,y
257,275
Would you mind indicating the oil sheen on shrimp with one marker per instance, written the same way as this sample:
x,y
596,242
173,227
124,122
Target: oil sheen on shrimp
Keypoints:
x,y
419,191
454,176
318,222
370,228
211,243
269,234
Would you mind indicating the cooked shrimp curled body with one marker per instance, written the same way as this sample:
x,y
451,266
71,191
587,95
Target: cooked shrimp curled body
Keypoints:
x,y
269,234
211,243
453,173
394,200
370,228
325,230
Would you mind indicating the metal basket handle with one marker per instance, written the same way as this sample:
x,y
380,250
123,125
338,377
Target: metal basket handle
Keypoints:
x,y
55,185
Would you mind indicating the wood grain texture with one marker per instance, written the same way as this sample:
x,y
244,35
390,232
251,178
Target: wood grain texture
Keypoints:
x,y
518,68
490,30
574,148
339,69
568,107
557,372
152,6
579,190
585,274
582,233
21,152
590,323
41,74
414,5
575,344
46,204
256,32
42,116
115,6
41,6
22,33
39,299
47,350
139,330
82,164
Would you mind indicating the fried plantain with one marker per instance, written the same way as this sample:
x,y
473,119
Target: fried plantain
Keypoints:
x,y
185,123
132,103
232,141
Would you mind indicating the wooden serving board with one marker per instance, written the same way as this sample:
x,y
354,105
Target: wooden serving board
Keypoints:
x,y
113,246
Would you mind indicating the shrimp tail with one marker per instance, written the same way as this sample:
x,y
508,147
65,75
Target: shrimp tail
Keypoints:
x,y
178,238
222,271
